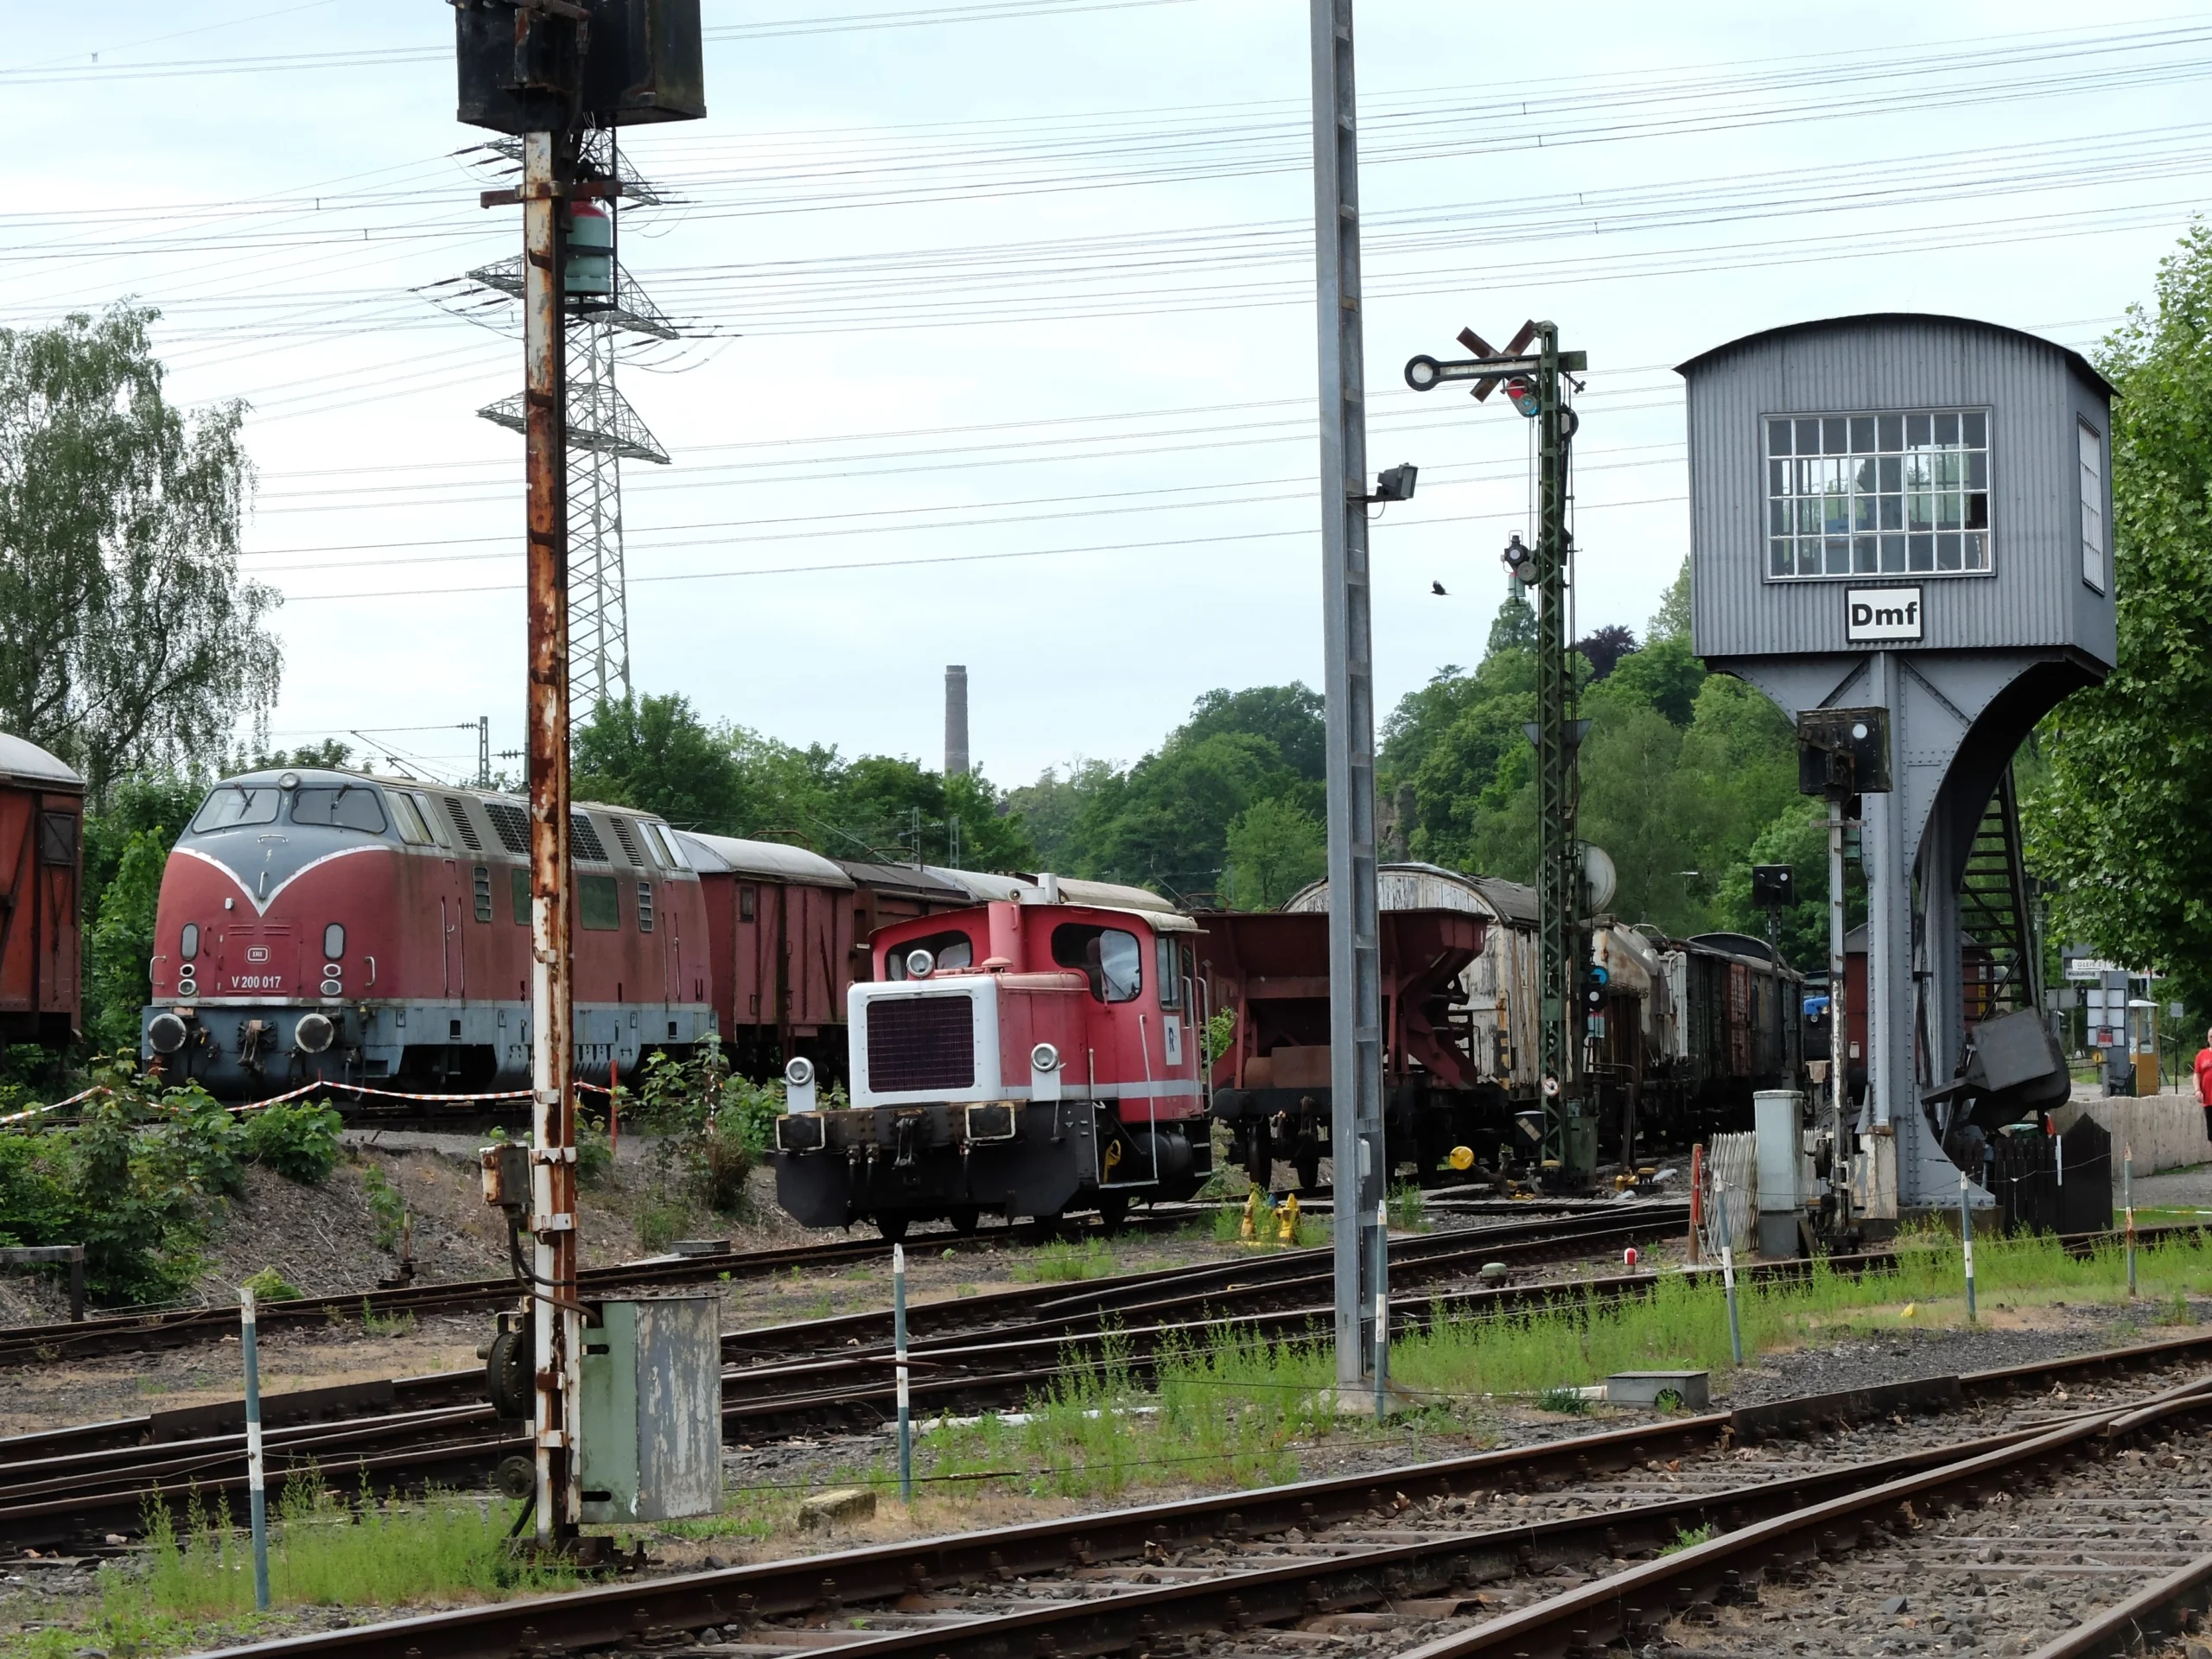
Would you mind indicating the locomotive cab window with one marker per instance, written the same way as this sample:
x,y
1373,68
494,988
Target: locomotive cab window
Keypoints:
x,y
236,804
1112,959
341,806
599,903
1171,972
412,831
952,948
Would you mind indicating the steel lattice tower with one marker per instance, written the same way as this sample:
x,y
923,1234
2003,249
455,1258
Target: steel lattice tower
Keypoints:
x,y
603,430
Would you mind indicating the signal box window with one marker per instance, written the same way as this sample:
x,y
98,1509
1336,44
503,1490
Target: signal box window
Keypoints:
x,y
1112,959
345,806
2093,506
1878,494
599,903
952,948
236,804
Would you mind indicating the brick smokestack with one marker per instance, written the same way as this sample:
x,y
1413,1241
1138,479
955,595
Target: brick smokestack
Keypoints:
x,y
955,720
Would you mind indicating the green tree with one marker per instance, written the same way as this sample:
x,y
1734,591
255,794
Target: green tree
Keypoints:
x,y
1166,824
119,951
127,636
1288,717
1663,675
655,753
1054,807
1672,620
2117,826
1274,849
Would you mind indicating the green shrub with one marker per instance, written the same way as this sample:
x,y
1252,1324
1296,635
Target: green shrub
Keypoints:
x,y
387,1204
136,1181
595,1149
297,1140
660,1225
271,1286
712,1128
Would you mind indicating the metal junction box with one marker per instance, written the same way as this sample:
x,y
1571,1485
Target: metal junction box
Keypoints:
x,y
519,68
651,1416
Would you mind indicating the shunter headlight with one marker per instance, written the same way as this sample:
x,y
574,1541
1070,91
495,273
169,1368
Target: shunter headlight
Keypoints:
x,y
799,1072
1044,1058
920,964
315,1032
165,1032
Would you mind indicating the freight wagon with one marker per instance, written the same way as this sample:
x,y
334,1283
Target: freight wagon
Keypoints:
x,y
1688,1031
41,861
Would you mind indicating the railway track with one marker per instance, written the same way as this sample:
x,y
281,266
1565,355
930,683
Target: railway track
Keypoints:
x,y
1685,1532
973,1353
139,1331
68,1485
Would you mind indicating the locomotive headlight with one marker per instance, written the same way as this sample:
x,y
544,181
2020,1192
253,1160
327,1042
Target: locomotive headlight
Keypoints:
x,y
165,1034
799,1072
314,1033
920,964
1044,1058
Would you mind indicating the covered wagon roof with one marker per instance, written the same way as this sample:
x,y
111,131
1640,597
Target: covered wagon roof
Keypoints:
x,y
728,855
25,762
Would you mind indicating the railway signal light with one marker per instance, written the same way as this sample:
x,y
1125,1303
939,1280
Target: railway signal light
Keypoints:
x,y
1595,979
1774,886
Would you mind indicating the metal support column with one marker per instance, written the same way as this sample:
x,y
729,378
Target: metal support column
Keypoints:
x,y
1567,1154
1360,1175
1839,1000
1892,1094
555,1323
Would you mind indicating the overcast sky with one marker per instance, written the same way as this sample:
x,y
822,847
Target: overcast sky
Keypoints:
x,y
1002,315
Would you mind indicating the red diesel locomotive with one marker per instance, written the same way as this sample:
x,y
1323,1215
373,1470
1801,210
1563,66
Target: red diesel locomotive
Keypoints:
x,y
1024,1057
321,925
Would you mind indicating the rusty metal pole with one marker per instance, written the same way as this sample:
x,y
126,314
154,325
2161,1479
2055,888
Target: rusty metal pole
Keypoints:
x,y
555,1322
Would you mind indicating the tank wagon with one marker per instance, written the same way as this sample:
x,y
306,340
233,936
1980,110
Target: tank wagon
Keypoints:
x,y
1686,1031
1024,1057
42,865
322,923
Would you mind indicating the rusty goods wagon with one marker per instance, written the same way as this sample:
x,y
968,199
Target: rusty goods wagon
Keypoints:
x,y
41,861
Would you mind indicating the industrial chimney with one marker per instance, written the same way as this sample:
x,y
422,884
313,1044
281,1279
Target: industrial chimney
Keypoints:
x,y
955,720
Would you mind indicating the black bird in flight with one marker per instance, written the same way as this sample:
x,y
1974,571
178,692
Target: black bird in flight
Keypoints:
x,y
1437,587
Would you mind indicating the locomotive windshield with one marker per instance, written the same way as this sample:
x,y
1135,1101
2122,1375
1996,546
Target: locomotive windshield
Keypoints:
x,y
236,804
1114,960
341,806
952,949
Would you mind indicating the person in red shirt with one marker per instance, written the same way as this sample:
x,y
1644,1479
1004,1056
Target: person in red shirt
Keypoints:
x,y
2204,1083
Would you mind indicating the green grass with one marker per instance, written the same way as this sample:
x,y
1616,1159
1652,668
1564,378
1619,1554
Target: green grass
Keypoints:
x,y
1406,1215
1064,1261
322,1551
1689,1539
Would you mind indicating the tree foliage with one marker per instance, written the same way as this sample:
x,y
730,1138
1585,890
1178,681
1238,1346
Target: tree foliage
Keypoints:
x,y
128,638
658,754
2117,825
1274,849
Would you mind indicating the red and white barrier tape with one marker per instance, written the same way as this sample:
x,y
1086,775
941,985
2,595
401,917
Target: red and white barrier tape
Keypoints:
x,y
309,1088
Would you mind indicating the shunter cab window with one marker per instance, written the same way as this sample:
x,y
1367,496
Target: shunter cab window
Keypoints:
x,y
952,948
1171,972
1113,959
236,804
341,806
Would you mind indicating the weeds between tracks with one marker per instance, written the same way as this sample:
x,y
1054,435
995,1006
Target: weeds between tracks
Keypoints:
x,y
324,1551
1235,1409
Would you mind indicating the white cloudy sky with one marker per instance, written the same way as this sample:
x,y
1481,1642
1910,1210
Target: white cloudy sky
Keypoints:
x,y
1008,352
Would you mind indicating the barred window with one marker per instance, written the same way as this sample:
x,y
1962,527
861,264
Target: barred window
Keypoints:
x,y
483,893
645,906
1878,494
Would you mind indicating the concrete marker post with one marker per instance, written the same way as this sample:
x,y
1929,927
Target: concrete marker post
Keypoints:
x,y
2127,1206
1966,1238
898,1354
1728,1270
256,1495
